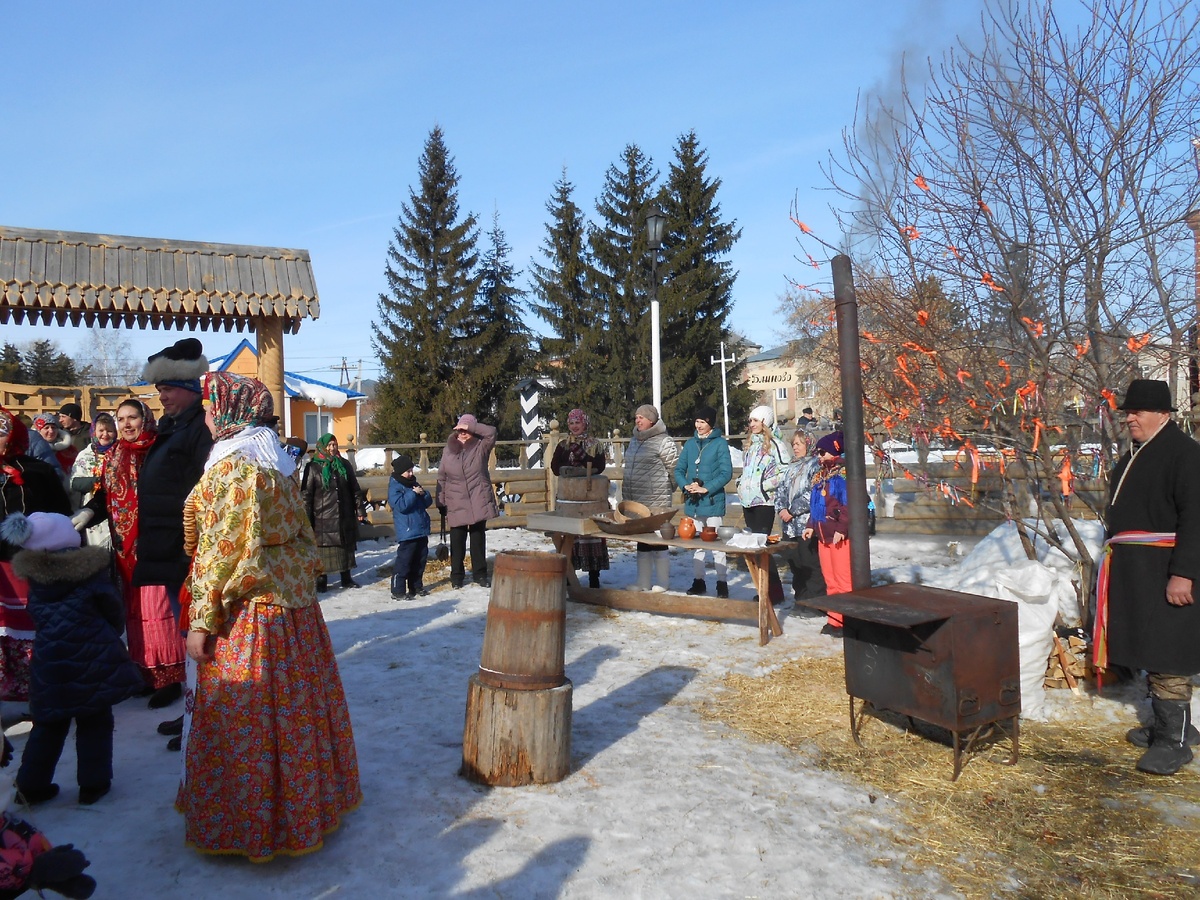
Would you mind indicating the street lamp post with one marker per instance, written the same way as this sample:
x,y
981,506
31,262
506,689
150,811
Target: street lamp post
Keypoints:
x,y
656,224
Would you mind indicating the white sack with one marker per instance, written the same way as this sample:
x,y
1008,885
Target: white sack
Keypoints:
x,y
1035,588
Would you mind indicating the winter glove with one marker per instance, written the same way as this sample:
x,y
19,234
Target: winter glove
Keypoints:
x,y
81,519
61,869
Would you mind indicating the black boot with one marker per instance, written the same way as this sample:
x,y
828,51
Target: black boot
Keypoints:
x,y
697,587
481,579
723,589
348,582
593,579
174,726
165,696
322,584
1140,737
1168,751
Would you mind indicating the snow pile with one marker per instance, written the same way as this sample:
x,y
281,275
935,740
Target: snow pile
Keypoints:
x,y
1044,589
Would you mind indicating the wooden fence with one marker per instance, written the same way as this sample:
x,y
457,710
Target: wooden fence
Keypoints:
x,y
939,498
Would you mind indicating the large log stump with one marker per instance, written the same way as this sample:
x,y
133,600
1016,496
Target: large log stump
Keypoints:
x,y
515,737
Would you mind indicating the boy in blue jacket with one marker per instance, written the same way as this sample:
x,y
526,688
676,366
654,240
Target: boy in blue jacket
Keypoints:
x,y
409,502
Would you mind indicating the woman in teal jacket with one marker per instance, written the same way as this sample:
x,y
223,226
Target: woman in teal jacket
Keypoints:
x,y
703,470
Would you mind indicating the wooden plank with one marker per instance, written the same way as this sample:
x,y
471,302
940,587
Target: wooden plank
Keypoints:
x,y
565,524
668,602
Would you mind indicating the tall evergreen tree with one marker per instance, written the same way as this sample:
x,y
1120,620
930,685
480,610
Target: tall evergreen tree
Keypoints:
x,y
43,363
622,264
424,318
562,287
499,337
697,293
10,364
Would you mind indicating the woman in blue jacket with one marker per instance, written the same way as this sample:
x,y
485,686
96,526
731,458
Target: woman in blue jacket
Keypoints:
x,y
703,470
408,502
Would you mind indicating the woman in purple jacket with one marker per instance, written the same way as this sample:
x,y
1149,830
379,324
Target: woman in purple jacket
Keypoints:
x,y
464,491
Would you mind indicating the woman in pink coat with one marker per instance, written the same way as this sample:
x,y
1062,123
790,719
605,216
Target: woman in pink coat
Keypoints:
x,y
464,492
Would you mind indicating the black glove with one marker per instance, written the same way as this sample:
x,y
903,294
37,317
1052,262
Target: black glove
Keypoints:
x,y
7,755
58,866
78,888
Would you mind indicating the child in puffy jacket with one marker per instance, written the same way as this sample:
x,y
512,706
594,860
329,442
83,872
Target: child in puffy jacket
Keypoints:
x,y
408,502
80,666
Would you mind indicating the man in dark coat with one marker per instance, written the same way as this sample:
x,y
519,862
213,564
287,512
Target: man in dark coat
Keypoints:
x,y
1153,526
173,465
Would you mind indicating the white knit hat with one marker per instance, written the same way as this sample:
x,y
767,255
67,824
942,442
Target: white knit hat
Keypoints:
x,y
764,415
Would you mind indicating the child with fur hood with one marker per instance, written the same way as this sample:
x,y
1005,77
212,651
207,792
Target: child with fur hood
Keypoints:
x,y
80,667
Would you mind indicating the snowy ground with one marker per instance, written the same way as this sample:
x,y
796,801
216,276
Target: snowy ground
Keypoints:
x,y
660,803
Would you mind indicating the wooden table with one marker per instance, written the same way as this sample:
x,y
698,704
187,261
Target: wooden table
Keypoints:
x,y
563,531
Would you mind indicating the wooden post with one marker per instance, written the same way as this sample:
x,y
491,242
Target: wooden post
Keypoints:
x,y
270,359
518,719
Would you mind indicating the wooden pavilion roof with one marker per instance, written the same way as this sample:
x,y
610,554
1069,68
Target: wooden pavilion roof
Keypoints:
x,y
98,279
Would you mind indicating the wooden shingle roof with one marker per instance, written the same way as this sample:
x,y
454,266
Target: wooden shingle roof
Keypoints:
x,y
100,279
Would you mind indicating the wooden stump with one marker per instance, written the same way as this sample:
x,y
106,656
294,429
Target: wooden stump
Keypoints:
x,y
515,737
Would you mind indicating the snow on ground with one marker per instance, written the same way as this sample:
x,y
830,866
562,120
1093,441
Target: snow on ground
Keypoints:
x,y
659,803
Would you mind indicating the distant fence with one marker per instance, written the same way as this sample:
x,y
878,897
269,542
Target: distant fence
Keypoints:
x,y
930,498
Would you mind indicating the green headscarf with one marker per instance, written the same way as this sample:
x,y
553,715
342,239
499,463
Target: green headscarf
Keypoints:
x,y
327,463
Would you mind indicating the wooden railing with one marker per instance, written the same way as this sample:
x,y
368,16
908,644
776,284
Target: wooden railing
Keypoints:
x,y
941,498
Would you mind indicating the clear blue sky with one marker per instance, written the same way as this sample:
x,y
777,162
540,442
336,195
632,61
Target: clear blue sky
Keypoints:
x,y
300,125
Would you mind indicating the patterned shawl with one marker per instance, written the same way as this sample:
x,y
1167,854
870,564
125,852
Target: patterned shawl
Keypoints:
x,y
582,445
119,477
18,443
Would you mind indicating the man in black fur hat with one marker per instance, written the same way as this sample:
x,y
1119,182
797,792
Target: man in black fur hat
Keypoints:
x,y
1150,616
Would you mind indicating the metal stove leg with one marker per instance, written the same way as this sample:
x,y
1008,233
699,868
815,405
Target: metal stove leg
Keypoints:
x,y
856,721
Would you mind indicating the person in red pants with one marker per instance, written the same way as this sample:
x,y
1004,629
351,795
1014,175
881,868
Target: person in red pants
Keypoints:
x,y
829,520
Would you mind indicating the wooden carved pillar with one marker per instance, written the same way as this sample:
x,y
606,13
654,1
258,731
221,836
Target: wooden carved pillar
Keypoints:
x,y
270,358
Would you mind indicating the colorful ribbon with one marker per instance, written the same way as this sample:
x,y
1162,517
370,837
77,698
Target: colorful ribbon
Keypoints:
x,y
1100,627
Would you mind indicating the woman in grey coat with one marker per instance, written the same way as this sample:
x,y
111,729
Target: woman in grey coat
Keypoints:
x,y
650,462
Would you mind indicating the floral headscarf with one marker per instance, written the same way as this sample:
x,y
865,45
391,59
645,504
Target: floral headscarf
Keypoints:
x,y
583,444
119,477
237,402
327,463
18,435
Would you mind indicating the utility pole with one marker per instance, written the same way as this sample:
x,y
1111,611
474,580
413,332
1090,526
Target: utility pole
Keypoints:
x,y
724,388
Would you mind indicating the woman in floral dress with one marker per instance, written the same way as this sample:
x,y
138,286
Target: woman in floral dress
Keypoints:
x,y
270,765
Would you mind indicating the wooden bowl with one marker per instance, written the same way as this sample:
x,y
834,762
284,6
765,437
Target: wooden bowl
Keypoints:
x,y
619,522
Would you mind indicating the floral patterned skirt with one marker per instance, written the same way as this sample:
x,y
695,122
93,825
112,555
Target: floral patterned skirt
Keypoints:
x,y
269,764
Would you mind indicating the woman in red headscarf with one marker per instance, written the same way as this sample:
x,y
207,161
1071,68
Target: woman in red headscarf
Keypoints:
x,y
151,628
26,485
269,765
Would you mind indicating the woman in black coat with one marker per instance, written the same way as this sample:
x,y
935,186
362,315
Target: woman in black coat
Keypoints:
x,y
336,505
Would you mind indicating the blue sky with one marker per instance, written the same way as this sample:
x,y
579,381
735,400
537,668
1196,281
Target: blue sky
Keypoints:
x,y
300,125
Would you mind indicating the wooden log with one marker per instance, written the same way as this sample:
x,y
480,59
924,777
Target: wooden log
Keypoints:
x,y
512,738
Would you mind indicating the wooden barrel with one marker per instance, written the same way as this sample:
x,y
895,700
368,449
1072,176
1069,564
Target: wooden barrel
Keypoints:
x,y
524,640
581,509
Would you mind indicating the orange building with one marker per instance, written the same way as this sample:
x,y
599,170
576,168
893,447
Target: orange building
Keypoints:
x,y
311,408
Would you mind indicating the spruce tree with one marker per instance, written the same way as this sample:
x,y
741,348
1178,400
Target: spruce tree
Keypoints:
x,y
499,339
573,355
43,363
10,364
422,334
697,291
622,263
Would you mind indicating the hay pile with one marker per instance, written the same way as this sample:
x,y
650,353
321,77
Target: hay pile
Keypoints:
x,y
1072,819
